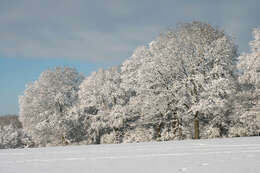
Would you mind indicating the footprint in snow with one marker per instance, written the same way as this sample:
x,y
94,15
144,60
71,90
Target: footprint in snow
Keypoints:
x,y
182,169
204,164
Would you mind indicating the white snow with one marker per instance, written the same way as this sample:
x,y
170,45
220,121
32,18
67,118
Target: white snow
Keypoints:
x,y
237,155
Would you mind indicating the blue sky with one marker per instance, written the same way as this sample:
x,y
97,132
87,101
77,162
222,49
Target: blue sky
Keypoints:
x,y
36,35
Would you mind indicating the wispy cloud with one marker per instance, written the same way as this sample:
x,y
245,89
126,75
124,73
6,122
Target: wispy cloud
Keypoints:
x,y
105,30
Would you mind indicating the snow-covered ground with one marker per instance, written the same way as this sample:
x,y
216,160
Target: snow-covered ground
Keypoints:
x,y
236,155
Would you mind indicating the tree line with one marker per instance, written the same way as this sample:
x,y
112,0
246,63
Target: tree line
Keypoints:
x,y
190,82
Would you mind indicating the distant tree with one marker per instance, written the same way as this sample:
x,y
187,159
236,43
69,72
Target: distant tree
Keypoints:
x,y
14,137
247,119
45,103
6,120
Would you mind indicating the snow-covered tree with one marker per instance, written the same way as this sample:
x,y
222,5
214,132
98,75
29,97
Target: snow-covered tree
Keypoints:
x,y
14,137
184,78
101,90
100,95
45,102
247,115
188,73
130,69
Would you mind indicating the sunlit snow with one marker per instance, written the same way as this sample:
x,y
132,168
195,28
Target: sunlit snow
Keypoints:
x,y
237,155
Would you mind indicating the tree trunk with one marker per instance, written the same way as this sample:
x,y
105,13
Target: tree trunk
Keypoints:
x,y
179,129
158,130
196,126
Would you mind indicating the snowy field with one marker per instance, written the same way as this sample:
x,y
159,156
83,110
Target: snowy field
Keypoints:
x,y
236,155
